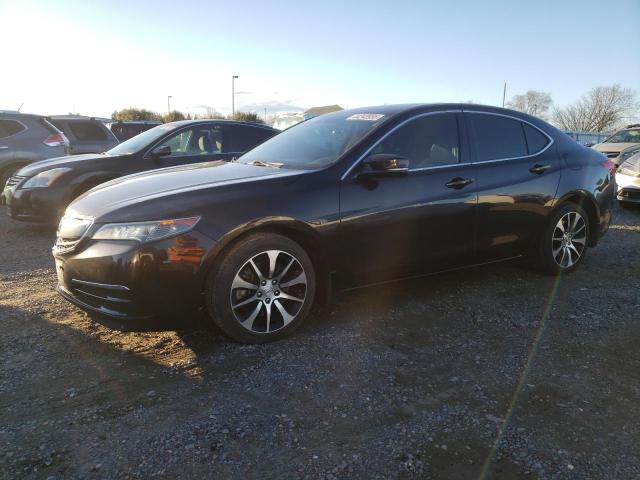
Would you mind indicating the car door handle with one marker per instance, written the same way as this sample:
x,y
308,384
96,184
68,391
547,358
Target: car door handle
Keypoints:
x,y
4,147
458,183
539,168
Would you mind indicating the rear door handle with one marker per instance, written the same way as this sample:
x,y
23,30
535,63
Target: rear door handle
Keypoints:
x,y
458,183
539,168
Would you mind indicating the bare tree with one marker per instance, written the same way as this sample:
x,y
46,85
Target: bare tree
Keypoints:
x,y
602,109
533,102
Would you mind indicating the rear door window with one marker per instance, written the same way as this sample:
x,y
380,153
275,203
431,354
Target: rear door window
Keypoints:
x,y
497,137
9,128
245,137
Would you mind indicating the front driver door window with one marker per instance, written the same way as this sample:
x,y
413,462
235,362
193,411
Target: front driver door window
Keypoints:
x,y
416,222
195,144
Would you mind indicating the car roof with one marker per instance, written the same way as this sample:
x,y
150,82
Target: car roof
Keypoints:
x,y
181,123
396,109
137,122
13,113
76,117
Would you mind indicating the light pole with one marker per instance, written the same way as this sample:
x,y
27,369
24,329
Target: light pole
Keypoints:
x,y
233,97
169,104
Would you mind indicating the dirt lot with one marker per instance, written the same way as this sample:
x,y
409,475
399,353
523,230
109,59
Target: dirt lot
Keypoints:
x,y
495,371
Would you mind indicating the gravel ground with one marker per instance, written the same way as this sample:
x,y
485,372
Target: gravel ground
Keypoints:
x,y
495,371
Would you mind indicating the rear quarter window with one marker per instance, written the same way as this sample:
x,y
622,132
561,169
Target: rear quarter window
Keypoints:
x,y
87,131
10,127
497,137
536,140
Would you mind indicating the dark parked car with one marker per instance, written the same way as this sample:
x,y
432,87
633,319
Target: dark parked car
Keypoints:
x,y
85,134
124,130
348,198
41,191
26,138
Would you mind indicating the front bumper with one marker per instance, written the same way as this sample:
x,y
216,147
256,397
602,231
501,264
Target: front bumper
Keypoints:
x,y
128,281
34,204
628,188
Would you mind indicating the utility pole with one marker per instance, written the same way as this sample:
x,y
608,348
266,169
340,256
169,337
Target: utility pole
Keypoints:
x,y
233,97
504,93
169,104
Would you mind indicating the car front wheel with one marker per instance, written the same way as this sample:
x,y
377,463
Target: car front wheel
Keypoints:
x,y
262,289
565,241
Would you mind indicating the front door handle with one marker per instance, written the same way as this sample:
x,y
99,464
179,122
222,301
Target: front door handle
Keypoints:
x,y
4,147
458,183
539,168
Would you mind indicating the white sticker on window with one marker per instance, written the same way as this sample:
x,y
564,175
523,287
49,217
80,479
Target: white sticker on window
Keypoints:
x,y
369,117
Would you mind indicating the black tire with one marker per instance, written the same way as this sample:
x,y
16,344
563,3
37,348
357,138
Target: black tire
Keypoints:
x,y
554,263
235,264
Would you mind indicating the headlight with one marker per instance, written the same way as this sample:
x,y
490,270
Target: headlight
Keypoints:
x,y
145,231
46,178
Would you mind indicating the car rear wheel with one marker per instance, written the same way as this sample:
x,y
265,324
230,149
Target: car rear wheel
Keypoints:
x,y
565,240
262,290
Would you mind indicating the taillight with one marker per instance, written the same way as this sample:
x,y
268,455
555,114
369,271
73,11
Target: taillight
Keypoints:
x,y
609,165
54,140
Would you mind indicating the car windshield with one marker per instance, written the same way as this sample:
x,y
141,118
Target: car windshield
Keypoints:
x,y
625,136
632,163
144,139
316,143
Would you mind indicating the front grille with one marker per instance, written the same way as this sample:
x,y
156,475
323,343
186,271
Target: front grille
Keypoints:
x,y
114,300
70,231
611,154
65,245
15,180
629,194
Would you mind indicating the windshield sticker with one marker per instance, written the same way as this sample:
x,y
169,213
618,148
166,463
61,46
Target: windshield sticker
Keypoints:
x,y
369,117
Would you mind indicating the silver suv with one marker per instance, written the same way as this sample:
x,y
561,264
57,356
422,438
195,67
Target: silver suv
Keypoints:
x,y
25,139
85,134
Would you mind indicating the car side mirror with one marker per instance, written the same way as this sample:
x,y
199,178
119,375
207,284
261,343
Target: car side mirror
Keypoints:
x,y
385,165
161,151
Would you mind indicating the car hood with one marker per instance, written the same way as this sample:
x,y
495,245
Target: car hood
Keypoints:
x,y
59,162
615,147
118,198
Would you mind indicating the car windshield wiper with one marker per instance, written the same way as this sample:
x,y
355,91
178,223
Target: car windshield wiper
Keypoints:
x,y
260,163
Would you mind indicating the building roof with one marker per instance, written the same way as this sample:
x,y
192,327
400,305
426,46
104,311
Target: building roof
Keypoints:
x,y
317,111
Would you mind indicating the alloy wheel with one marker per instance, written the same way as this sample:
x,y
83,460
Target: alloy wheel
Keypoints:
x,y
569,239
268,291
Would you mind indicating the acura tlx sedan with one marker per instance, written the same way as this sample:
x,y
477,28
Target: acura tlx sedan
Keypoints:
x,y
349,198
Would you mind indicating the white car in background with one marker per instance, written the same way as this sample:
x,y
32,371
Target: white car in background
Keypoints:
x,y
628,181
286,120
621,145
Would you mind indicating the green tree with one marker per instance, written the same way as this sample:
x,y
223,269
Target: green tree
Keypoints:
x,y
174,116
246,117
135,114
